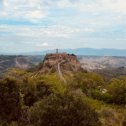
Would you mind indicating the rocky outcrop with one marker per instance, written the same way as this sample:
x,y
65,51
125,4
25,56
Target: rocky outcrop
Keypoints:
x,y
60,62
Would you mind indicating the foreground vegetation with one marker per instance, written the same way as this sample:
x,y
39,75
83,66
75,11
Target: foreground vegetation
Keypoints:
x,y
27,99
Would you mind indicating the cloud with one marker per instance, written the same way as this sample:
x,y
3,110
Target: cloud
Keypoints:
x,y
89,30
45,44
23,10
111,6
35,16
37,10
61,23
1,3
90,5
50,31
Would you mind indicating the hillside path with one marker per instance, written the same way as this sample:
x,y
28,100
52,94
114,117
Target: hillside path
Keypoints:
x,y
60,73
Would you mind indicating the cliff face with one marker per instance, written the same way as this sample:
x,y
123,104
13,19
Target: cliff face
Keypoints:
x,y
60,62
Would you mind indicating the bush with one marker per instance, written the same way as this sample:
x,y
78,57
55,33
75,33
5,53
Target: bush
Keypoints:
x,y
67,110
88,81
97,94
9,100
124,123
34,90
117,89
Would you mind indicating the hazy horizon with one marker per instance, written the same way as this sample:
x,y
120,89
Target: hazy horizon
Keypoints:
x,y
77,51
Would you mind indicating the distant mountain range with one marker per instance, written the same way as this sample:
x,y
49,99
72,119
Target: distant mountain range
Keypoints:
x,y
79,51
85,51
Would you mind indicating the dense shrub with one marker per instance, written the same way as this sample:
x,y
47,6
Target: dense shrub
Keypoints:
x,y
115,92
88,81
27,99
9,100
66,110
124,123
97,94
117,89
36,92
34,89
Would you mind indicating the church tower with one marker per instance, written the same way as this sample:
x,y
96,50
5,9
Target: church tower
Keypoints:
x,y
57,51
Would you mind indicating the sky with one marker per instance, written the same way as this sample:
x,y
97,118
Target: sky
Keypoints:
x,y
36,25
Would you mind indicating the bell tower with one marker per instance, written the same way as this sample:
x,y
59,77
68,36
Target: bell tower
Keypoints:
x,y
57,51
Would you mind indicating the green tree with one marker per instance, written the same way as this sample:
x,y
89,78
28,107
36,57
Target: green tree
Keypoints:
x,y
9,99
117,89
67,110
88,81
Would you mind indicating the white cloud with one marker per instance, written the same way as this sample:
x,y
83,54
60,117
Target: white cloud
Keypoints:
x,y
50,31
40,45
36,10
95,6
23,10
62,20
112,6
89,30
35,16
45,44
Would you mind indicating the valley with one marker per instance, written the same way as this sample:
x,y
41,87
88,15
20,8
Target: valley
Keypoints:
x,y
22,62
106,65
